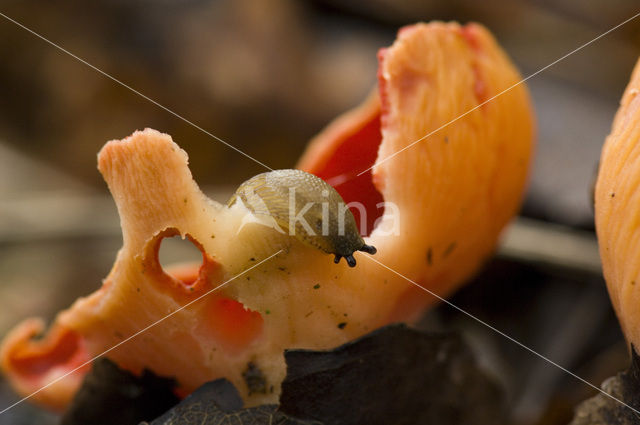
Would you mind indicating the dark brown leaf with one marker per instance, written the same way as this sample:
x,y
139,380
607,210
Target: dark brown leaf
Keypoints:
x,y
110,395
395,375
218,403
602,409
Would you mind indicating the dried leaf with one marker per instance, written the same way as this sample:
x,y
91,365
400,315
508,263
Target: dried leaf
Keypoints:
x,y
393,375
218,403
110,395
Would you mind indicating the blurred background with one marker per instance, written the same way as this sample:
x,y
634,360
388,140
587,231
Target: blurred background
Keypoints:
x,y
265,76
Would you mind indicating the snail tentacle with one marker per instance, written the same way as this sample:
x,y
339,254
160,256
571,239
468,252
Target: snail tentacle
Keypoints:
x,y
369,249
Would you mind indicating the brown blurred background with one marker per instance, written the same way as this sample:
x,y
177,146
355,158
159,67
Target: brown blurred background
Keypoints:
x,y
265,76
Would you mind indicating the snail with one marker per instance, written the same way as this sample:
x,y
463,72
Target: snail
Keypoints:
x,y
306,207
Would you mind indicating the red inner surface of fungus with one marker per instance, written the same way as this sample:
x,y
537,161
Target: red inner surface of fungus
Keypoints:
x,y
232,324
62,348
354,153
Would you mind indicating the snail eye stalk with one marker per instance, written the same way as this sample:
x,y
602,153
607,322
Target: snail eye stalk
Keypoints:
x,y
349,258
369,249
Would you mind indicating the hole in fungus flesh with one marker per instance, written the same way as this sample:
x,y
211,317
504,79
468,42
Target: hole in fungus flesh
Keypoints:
x,y
191,277
177,250
226,320
353,153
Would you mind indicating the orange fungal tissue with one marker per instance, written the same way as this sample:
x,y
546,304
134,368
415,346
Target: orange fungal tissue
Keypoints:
x,y
434,212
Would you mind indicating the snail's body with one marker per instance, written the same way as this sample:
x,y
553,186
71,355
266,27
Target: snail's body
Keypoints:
x,y
306,207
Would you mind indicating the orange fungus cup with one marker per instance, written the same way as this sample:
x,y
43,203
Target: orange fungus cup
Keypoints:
x,y
433,211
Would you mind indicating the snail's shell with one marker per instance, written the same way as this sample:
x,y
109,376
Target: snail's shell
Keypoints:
x,y
285,195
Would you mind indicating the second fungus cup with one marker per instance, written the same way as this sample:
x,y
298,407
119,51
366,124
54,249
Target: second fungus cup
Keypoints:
x,y
617,210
